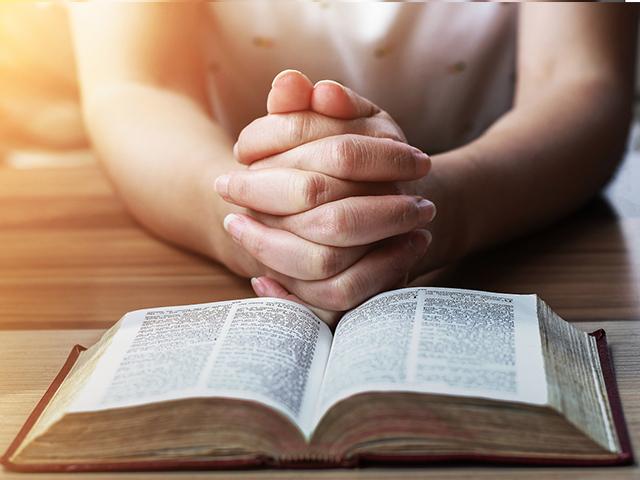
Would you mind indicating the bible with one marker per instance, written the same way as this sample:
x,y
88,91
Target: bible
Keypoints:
x,y
412,375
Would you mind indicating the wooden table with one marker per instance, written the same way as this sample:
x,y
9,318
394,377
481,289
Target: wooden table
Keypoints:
x,y
72,261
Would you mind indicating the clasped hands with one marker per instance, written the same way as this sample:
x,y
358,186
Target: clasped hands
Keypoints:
x,y
332,212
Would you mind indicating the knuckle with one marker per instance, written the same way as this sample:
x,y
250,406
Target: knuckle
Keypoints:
x,y
246,143
255,244
383,126
325,262
407,212
242,142
312,189
342,294
347,150
395,130
238,187
399,156
299,126
337,223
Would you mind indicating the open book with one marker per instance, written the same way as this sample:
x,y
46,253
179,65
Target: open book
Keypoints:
x,y
411,375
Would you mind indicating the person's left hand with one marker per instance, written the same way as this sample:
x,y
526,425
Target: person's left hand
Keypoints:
x,y
335,214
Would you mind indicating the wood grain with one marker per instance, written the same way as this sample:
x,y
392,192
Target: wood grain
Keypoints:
x,y
587,267
30,359
72,257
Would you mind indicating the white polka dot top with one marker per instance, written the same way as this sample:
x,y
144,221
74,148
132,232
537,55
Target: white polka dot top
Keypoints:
x,y
444,71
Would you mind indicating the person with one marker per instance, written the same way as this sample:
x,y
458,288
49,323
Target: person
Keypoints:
x,y
329,197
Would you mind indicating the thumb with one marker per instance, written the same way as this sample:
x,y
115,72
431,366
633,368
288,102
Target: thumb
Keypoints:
x,y
290,92
335,100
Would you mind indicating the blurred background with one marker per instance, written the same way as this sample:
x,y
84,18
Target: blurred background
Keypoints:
x,y
40,117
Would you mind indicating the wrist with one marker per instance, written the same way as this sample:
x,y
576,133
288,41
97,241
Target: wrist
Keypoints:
x,y
451,227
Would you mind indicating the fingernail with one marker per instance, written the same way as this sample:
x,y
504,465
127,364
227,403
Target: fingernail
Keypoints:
x,y
283,74
234,224
222,185
426,211
330,82
419,241
235,150
257,286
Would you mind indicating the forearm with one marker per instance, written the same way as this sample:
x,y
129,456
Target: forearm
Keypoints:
x,y
162,153
539,162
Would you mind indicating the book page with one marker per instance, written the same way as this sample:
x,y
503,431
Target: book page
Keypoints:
x,y
438,340
267,350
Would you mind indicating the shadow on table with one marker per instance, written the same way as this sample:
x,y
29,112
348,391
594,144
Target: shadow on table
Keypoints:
x,y
585,266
